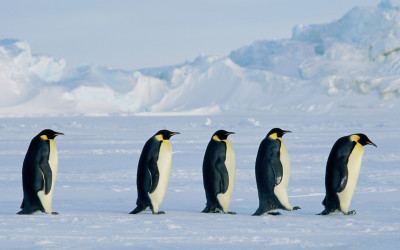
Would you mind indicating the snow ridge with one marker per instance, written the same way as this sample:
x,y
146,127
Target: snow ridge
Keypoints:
x,y
351,62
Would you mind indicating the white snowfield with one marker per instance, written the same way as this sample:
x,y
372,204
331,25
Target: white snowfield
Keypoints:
x,y
96,185
353,62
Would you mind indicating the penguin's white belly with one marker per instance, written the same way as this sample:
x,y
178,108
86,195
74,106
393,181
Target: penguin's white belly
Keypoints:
x,y
53,162
164,169
225,198
353,170
280,190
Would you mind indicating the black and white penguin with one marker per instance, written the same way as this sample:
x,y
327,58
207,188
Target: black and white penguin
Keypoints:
x,y
39,173
342,170
219,173
153,172
272,174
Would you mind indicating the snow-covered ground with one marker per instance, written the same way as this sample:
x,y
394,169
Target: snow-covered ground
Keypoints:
x,y
326,81
95,188
351,62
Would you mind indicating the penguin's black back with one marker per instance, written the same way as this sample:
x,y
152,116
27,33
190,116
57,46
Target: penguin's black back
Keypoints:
x,y
147,171
215,174
268,167
336,172
336,166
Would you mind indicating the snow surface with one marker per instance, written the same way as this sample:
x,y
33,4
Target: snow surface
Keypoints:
x,y
324,82
95,188
353,62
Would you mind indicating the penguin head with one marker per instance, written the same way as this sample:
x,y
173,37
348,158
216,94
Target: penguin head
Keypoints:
x,y
362,139
222,134
277,133
49,134
165,134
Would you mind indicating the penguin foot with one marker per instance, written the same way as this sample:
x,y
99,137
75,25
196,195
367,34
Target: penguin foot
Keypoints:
x,y
215,211
274,213
54,213
231,212
159,212
296,208
352,212
211,212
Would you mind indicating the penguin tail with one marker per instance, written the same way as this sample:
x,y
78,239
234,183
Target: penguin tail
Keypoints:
x,y
22,212
206,210
325,212
30,204
140,206
259,211
27,211
137,210
267,204
142,202
211,209
331,203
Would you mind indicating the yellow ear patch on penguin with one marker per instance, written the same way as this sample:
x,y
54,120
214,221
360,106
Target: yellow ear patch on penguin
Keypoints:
x,y
355,138
159,137
216,138
273,136
44,137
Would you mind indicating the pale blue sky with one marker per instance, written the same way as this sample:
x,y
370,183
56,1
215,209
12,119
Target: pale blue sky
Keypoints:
x,y
136,34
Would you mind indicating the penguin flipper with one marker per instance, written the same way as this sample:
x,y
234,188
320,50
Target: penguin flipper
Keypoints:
x,y
223,175
340,165
154,174
276,162
44,167
343,175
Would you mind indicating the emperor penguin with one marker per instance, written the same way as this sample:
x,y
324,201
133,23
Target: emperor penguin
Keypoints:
x,y
272,174
153,172
219,173
39,173
342,170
